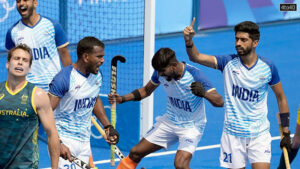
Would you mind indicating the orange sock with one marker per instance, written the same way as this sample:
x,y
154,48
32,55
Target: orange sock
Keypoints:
x,y
91,161
127,163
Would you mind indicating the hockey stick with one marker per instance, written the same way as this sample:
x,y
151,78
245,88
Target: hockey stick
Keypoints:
x,y
79,162
113,90
285,153
102,132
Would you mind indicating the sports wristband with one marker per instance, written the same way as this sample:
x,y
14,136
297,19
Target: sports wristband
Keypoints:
x,y
108,126
189,46
285,119
123,99
137,95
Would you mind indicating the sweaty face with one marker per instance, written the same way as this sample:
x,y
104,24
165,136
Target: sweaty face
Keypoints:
x,y
96,59
243,43
26,7
19,64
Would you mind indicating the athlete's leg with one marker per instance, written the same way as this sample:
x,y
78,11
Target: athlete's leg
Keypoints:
x,y
260,165
161,135
91,161
233,153
259,151
142,149
182,159
188,141
139,151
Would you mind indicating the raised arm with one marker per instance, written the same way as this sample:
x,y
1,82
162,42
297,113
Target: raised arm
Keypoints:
x,y
194,55
45,113
136,95
65,56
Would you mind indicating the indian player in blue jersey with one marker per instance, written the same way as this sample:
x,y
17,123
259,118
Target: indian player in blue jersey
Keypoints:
x,y
295,145
184,121
46,39
246,134
74,95
23,107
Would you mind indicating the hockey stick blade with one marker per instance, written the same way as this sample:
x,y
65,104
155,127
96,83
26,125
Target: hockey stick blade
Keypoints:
x,y
80,163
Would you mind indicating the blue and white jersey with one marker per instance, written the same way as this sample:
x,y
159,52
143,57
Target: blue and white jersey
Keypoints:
x,y
184,109
246,91
78,95
43,38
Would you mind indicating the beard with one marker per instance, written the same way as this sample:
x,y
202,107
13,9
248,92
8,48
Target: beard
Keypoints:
x,y
242,51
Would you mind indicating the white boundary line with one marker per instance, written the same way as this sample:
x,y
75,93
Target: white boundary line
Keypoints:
x,y
174,152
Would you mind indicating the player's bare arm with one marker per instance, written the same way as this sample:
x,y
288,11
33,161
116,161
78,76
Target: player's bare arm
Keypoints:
x,y
54,100
214,98
65,56
284,115
135,95
99,112
281,101
211,95
192,51
65,152
45,113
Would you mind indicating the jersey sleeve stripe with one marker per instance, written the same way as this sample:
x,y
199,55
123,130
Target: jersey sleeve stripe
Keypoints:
x,y
156,84
53,94
63,45
211,89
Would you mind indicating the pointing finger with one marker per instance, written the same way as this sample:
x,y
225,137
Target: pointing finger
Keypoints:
x,y
193,22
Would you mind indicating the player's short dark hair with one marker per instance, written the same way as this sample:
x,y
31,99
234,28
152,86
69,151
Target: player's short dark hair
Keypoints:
x,y
162,58
23,47
86,45
249,27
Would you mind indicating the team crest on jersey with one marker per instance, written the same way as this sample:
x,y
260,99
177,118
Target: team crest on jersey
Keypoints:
x,y
235,72
166,85
77,87
2,95
24,99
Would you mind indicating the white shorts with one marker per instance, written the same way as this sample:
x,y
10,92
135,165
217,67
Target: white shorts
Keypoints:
x,y
81,150
236,151
165,134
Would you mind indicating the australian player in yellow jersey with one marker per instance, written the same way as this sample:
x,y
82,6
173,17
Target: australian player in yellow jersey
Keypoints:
x,y
22,107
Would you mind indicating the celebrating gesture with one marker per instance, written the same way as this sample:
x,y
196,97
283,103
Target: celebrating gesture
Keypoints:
x,y
189,33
